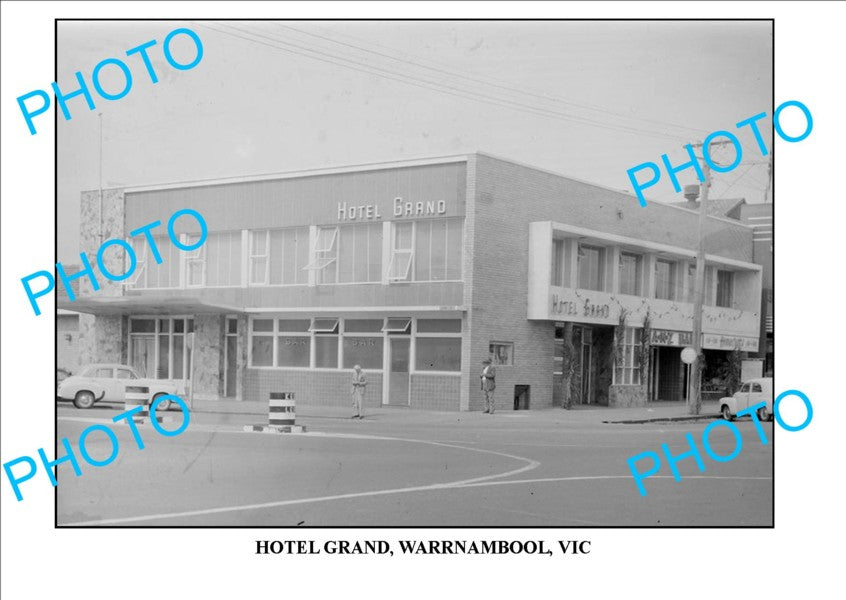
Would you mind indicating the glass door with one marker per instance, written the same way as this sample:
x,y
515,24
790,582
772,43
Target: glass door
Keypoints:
x,y
230,350
143,353
399,351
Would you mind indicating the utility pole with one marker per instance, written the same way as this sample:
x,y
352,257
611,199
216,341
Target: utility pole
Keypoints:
x,y
695,399
100,176
769,173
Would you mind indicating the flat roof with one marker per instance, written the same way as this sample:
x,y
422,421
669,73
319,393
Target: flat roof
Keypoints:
x,y
394,164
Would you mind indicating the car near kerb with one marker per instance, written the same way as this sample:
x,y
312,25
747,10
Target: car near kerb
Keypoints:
x,y
750,393
107,383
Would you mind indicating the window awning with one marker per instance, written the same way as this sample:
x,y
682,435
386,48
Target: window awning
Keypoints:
x,y
154,305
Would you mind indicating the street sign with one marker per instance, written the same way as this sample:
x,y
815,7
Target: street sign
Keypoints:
x,y
688,355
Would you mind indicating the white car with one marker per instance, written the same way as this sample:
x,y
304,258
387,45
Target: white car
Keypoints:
x,y
107,383
750,393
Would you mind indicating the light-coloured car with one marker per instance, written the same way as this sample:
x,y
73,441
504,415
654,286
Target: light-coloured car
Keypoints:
x,y
107,383
750,393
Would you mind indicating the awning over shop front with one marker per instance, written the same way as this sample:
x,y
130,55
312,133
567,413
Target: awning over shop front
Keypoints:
x,y
153,305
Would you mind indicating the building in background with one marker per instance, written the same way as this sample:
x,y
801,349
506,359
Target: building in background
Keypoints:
x,y
417,270
67,329
760,218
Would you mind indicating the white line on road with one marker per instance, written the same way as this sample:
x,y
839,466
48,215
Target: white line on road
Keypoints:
x,y
530,464
592,477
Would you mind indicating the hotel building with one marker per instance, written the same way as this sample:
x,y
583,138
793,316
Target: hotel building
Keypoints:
x,y
417,270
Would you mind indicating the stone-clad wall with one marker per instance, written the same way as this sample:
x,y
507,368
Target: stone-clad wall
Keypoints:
x,y
208,356
102,339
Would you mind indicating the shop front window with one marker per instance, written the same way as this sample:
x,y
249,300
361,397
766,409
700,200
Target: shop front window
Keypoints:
x,y
293,343
627,368
157,347
363,343
438,354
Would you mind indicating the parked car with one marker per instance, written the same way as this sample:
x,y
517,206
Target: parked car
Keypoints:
x,y
750,393
62,374
107,383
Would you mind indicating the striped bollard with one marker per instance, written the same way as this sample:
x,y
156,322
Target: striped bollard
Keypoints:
x,y
282,409
137,395
281,415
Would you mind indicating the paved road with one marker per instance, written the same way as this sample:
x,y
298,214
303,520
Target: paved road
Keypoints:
x,y
401,468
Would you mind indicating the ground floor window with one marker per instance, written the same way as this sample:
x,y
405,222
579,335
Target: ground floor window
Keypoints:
x,y
158,347
502,353
333,343
627,369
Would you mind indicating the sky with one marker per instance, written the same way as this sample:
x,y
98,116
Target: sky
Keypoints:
x,y
586,99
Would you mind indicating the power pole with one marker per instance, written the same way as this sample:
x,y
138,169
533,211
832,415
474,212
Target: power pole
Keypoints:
x,y
100,175
769,173
695,399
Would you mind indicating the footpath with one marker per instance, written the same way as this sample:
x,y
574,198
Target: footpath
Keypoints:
x,y
253,411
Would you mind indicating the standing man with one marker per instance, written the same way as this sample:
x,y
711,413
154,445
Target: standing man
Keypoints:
x,y
488,377
359,383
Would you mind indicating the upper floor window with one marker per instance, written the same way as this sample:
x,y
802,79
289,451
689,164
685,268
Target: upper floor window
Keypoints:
x,y
195,262
725,283
289,255
558,264
402,252
665,279
325,261
360,253
429,250
151,274
222,258
259,257
437,250
630,273
591,272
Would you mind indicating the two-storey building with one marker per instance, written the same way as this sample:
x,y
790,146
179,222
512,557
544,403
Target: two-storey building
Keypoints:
x,y
417,270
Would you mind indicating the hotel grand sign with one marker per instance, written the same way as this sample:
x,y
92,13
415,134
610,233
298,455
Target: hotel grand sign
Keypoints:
x,y
671,322
401,208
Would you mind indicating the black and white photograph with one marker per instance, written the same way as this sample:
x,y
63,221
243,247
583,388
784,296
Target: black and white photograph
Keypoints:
x,y
418,281
480,329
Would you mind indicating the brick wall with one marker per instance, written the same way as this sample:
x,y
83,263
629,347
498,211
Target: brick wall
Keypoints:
x,y
316,388
501,202
435,392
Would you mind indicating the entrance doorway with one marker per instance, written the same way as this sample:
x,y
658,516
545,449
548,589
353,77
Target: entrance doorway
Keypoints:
x,y
230,350
399,360
586,363
668,375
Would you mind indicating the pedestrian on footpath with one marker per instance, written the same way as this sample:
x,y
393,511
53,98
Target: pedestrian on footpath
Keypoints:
x,y
488,378
359,383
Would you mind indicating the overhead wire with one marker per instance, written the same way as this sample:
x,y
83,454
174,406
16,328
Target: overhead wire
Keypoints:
x,y
319,55
488,82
